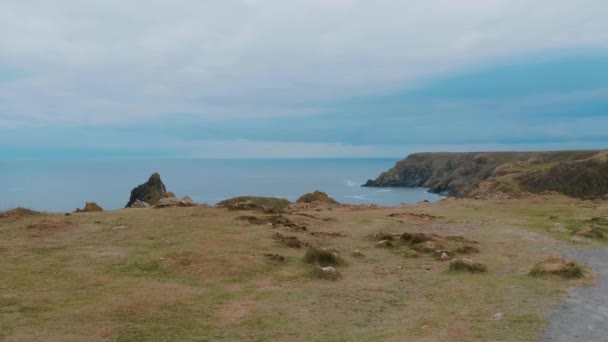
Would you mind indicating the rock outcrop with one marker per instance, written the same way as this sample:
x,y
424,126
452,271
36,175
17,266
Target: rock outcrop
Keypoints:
x,y
168,202
140,204
150,192
89,207
574,173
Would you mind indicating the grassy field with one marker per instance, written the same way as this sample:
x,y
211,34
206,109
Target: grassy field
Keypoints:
x,y
208,274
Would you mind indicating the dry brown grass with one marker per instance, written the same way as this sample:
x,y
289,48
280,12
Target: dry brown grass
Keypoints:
x,y
202,274
558,267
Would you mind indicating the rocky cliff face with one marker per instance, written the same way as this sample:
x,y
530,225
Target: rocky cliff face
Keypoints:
x,y
575,173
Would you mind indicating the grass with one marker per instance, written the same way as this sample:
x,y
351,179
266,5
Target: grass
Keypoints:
x,y
461,265
270,204
322,257
558,267
203,274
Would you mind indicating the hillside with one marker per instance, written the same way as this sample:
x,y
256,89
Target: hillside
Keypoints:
x,y
575,173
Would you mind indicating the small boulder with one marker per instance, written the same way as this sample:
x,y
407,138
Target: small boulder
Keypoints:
x,y
140,204
498,316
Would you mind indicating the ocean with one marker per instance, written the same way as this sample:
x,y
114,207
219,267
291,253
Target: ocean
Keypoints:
x,y
64,185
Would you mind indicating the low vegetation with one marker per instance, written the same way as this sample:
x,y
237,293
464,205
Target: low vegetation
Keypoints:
x,y
467,265
263,204
558,267
317,197
582,174
307,273
322,257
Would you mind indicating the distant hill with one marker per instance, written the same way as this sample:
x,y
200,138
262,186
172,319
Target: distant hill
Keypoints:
x,y
582,174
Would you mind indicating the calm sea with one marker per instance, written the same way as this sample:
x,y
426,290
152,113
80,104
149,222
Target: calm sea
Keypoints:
x,y
66,185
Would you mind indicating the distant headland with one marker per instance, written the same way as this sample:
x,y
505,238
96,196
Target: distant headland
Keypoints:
x,y
581,174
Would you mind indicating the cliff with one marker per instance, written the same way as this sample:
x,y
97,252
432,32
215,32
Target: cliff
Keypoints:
x,y
574,173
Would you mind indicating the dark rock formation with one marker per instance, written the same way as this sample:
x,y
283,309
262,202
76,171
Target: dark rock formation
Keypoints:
x,y
316,197
89,207
476,174
150,192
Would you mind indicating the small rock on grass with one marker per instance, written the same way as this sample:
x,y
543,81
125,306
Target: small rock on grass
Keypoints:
x,y
498,316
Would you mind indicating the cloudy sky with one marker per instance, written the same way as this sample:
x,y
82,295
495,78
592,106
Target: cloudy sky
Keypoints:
x,y
309,78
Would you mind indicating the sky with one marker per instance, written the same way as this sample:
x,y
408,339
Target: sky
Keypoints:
x,y
300,78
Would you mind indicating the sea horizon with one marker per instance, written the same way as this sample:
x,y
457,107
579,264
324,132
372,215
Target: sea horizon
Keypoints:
x,y
60,185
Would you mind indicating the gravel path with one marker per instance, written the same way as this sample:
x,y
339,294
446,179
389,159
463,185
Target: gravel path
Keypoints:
x,y
583,316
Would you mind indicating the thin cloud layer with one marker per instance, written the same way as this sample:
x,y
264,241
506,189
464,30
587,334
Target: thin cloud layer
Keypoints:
x,y
74,62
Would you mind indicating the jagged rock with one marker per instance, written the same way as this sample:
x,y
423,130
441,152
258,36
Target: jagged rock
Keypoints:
x,y
316,197
150,192
175,202
89,207
140,204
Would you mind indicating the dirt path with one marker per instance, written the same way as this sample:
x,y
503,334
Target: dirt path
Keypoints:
x,y
583,316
